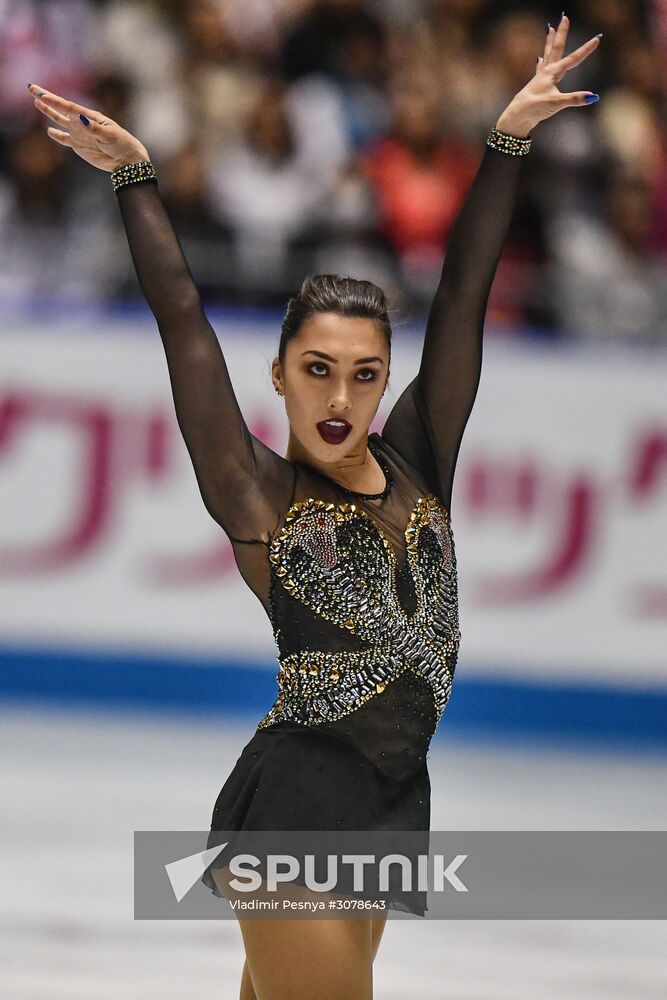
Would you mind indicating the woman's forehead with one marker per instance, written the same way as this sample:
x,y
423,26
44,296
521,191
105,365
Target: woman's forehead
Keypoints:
x,y
342,334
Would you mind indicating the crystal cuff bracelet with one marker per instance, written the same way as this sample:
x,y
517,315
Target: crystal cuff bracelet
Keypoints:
x,y
133,173
510,144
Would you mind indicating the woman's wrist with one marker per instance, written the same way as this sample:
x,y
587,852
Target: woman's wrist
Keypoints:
x,y
514,121
138,155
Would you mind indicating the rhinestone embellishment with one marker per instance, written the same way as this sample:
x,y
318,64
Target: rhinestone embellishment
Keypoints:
x,y
337,561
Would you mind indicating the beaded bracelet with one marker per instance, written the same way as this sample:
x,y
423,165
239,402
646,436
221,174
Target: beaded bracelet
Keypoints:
x,y
133,173
508,143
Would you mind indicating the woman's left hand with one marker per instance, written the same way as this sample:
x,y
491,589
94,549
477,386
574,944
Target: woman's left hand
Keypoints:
x,y
541,98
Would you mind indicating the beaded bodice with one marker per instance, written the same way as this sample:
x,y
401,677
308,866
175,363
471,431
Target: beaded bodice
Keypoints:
x,y
361,592
336,573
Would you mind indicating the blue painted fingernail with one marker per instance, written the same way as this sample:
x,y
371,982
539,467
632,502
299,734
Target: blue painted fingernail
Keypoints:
x,y
562,14
591,98
600,35
84,119
29,86
548,27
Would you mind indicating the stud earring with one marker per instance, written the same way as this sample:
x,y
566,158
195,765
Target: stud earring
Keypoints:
x,y
278,391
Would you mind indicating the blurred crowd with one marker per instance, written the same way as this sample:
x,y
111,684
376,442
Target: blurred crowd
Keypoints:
x,y
296,136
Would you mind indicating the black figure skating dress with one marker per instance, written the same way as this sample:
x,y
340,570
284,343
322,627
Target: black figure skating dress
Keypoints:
x,y
361,589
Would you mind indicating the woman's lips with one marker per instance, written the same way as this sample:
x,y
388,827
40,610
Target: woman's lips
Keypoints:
x,y
334,434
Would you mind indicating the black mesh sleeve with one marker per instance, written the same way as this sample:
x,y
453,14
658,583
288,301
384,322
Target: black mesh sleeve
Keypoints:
x,y
244,484
427,422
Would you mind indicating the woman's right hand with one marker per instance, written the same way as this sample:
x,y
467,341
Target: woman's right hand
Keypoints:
x,y
101,142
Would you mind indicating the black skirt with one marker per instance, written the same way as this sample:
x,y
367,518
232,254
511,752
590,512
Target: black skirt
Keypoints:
x,y
294,778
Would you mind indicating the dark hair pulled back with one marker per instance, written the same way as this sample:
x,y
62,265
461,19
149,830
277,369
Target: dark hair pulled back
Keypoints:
x,y
329,293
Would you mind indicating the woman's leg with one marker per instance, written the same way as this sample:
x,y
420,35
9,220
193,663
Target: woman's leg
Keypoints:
x,y
309,959
247,989
305,959
377,929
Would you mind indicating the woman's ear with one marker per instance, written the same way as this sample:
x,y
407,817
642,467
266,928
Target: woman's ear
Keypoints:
x,y
276,377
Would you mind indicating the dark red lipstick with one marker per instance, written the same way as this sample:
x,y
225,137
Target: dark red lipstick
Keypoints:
x,y
335,430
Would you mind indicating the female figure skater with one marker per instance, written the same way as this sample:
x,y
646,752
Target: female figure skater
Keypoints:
x,y
346,540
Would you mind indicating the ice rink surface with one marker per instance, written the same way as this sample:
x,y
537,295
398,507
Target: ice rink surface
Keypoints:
x,y
76,784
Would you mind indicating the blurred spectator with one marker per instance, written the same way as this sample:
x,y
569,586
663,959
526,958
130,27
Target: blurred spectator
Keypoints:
x,y
659,185
50,43
631,120
140,43
314,41
351,241
320,127
267,198
419,179
223,82
342,41
59,244
610,286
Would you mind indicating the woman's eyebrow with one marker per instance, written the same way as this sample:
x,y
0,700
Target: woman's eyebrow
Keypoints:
x,y
327,357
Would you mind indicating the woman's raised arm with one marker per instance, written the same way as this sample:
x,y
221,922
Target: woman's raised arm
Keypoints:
x,y
243,483
427,423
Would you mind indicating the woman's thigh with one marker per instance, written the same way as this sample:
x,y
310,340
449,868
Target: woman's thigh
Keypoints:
x,y
309,959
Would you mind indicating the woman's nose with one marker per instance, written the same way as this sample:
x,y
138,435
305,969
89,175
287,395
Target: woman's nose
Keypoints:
x,y
339,403
339,398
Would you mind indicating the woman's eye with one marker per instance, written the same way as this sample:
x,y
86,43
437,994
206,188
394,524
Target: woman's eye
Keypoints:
x,y
368,373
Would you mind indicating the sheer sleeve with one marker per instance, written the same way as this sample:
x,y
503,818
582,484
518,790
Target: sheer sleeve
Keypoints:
x,y
243,483
427,422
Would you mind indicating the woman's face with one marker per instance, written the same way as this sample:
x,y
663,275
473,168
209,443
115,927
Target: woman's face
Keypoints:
x,y
335,368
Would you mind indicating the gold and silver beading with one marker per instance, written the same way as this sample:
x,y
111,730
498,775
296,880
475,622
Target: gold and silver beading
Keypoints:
x,y
133,173
335,560
510,144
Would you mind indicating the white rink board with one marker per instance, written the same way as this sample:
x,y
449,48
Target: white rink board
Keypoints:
x,y
559,510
